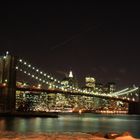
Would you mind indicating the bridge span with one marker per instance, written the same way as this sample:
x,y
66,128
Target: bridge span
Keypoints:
x,y
8,70
57,91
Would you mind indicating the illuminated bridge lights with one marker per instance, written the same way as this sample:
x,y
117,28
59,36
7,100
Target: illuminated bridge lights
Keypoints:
x,y
25,72
3,85
81,93
37,70
116,93
35,77
42,77
20,60
16,67
41,73
130,91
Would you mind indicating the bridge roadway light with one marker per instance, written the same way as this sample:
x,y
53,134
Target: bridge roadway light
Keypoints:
x,y
16,67
39,86
24,84
4,57
4,84
25,72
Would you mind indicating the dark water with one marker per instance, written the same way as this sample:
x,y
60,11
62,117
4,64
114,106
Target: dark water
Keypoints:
x,y
74,123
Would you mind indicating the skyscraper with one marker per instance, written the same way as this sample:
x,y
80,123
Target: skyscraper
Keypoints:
x,y
89,83
70,80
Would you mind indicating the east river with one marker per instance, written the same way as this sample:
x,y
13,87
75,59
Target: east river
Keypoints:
x,y
85,122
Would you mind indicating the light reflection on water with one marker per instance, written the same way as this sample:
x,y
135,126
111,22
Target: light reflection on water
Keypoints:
x,y
74,123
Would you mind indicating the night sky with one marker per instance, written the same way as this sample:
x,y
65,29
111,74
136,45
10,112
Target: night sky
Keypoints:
x,y
102,41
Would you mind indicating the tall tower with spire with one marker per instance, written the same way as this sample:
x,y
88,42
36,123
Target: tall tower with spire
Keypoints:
x,y
72,79
69,80
70,74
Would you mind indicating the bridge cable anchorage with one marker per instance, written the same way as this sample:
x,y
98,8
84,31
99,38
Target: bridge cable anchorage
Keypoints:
x,y
41,74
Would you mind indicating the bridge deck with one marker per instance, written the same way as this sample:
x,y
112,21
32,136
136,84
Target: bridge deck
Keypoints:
x,y
57,91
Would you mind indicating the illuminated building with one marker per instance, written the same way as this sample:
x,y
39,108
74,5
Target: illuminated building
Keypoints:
x,y
99,87
89,84
70,74
64,83
69,80
111,87
31,101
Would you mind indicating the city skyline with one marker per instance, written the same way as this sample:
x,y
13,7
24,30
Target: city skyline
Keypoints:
x,y
100,41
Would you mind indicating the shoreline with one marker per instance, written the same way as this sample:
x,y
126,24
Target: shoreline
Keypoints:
x,y
30,114
7,135
51,114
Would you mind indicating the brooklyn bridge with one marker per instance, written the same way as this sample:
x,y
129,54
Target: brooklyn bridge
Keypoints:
x,y
44,92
